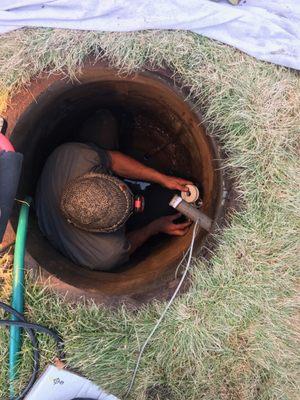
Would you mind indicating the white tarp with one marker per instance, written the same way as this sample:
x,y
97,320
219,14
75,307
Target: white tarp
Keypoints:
x,y
266,29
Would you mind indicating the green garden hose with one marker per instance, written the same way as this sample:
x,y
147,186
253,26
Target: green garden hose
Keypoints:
x,y
18,290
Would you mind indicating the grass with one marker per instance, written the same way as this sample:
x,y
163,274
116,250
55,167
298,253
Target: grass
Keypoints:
x,y
233,336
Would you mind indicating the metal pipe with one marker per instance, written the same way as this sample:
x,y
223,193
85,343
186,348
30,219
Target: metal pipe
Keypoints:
x,y
191,212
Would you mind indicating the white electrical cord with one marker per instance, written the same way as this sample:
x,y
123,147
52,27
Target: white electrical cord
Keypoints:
x,y
188,252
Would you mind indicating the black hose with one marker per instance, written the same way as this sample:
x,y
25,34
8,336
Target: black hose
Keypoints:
x,y
30,328
38,328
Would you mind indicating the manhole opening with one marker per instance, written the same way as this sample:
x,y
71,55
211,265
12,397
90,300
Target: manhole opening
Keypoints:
x,y
152,113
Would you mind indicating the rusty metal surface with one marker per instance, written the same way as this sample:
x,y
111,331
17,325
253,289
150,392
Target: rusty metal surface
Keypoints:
x,y
48,113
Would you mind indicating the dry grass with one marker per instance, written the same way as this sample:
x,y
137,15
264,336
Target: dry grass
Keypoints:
x,y
233,335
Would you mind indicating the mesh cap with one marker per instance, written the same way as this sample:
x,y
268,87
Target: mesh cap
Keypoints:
x,y
97,202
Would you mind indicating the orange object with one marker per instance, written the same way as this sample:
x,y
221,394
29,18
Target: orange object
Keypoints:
x,y
139,204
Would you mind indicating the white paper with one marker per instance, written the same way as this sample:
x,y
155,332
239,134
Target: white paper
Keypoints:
x,y
60,384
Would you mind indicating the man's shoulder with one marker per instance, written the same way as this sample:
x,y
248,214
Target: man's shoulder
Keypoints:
x,y
73,150
72,146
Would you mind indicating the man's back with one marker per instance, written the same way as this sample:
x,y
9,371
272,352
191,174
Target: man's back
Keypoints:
x,y
101,251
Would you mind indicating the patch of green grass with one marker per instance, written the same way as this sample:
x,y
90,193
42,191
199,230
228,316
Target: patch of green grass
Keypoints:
x,y
233,335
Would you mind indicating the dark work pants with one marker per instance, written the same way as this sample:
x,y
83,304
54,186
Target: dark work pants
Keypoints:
x,y
156,197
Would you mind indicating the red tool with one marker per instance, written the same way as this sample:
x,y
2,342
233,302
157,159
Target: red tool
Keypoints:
x,y
4,142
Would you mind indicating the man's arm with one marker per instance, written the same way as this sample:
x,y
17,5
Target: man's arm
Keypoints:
x,y
138,237
161,225
127,167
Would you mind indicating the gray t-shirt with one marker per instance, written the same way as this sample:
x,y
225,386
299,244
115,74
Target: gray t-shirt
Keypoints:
x,y
100,251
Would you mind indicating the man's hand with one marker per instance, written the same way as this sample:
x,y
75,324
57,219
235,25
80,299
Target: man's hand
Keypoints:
x,y
173,183
166,225
160,225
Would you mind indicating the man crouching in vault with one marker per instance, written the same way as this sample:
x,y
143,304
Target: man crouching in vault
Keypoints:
x,y
88,213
